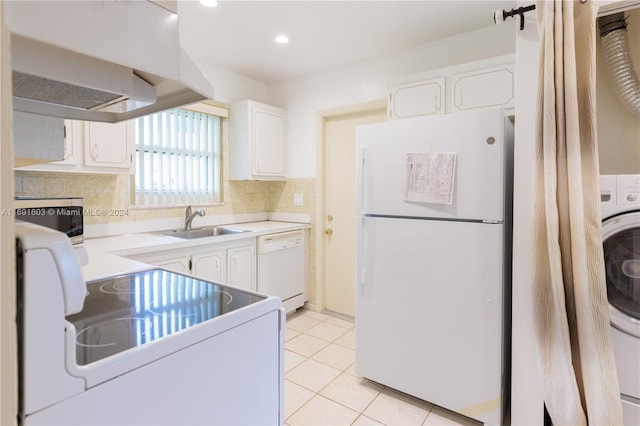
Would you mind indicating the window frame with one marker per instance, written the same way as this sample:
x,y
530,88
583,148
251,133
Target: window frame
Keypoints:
x,y
184,153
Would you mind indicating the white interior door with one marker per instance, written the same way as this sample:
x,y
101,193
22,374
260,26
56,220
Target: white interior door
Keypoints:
x,y
340,208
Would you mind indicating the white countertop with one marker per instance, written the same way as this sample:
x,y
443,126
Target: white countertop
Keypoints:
x,y
106,254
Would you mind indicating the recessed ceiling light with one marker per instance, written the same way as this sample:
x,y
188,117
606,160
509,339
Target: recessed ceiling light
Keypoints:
x,y
209,3
282,39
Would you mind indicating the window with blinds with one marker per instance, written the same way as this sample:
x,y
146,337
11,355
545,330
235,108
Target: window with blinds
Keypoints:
x,y
177,159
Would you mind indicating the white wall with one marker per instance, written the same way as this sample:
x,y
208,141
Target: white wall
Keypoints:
x,y
618,127
370,80
526,398
229,87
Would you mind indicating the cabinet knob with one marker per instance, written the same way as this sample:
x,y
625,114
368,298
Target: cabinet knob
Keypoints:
x,y
329,231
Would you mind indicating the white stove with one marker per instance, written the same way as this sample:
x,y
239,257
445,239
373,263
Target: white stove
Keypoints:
x,y
165,348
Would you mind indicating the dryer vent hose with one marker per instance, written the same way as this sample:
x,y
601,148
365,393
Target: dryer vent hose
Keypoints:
x,y
617,59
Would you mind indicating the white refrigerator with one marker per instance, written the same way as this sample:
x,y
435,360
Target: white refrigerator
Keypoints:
x,y
433,259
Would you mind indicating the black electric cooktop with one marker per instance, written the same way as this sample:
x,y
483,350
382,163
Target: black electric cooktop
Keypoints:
x,y
130,310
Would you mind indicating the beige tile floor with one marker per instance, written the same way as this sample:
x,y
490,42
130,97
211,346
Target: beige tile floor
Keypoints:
x,y
321,386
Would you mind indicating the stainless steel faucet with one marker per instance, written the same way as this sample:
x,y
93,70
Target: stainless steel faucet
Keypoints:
x,y
189,216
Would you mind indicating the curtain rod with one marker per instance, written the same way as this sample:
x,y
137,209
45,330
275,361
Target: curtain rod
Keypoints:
x,y
502,14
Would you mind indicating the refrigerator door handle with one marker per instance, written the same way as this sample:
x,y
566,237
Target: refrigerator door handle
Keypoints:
x,y
361,181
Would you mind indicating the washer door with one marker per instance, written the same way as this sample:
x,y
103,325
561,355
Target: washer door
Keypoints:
x,y
621,241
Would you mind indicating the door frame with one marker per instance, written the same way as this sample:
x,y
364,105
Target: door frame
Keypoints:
x,y
8,307
322,117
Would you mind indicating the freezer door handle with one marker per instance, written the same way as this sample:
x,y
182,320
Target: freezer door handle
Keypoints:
x,y
361,181
492,221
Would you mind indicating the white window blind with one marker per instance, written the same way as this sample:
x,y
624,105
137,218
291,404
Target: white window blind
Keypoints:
x,y
177,159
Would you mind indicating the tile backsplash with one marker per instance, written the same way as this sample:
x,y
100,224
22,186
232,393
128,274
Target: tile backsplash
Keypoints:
x,y
113,192
98,191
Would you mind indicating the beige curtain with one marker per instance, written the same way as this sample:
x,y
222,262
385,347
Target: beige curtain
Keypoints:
x,y
575,356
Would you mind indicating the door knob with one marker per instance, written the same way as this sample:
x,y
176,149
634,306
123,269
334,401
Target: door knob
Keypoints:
x,y
329,231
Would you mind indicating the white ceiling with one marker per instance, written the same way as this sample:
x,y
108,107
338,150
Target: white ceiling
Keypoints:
x,y
239,35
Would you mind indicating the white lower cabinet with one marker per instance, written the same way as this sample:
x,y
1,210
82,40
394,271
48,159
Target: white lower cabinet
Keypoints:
x,y
241,267
210,266
232,263
180,264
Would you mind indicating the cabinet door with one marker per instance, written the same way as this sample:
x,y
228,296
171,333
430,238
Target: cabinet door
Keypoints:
x,y
178,264
73,137
37,138
241,267
269,143
257,141
417,99
486,88
210,266
109,146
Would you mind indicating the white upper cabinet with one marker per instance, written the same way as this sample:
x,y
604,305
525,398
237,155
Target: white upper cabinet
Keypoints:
x,y
73,138
481,89
91,147
471,86
70,150
257,142
109,146
38,138
417,99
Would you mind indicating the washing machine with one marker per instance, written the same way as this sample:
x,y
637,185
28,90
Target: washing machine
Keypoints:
x,y
620,207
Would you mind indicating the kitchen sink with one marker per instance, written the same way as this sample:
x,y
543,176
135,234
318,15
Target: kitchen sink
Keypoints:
x,y
203,232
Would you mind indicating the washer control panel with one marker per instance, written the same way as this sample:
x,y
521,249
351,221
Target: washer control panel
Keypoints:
x,y
619,190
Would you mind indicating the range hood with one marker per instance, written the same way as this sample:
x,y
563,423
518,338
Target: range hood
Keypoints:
x,y
74,69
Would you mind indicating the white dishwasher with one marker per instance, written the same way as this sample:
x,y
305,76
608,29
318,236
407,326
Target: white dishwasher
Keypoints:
x,y
281,267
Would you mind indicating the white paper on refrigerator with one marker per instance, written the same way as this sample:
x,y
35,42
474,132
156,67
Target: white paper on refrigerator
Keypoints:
x,y
430,177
